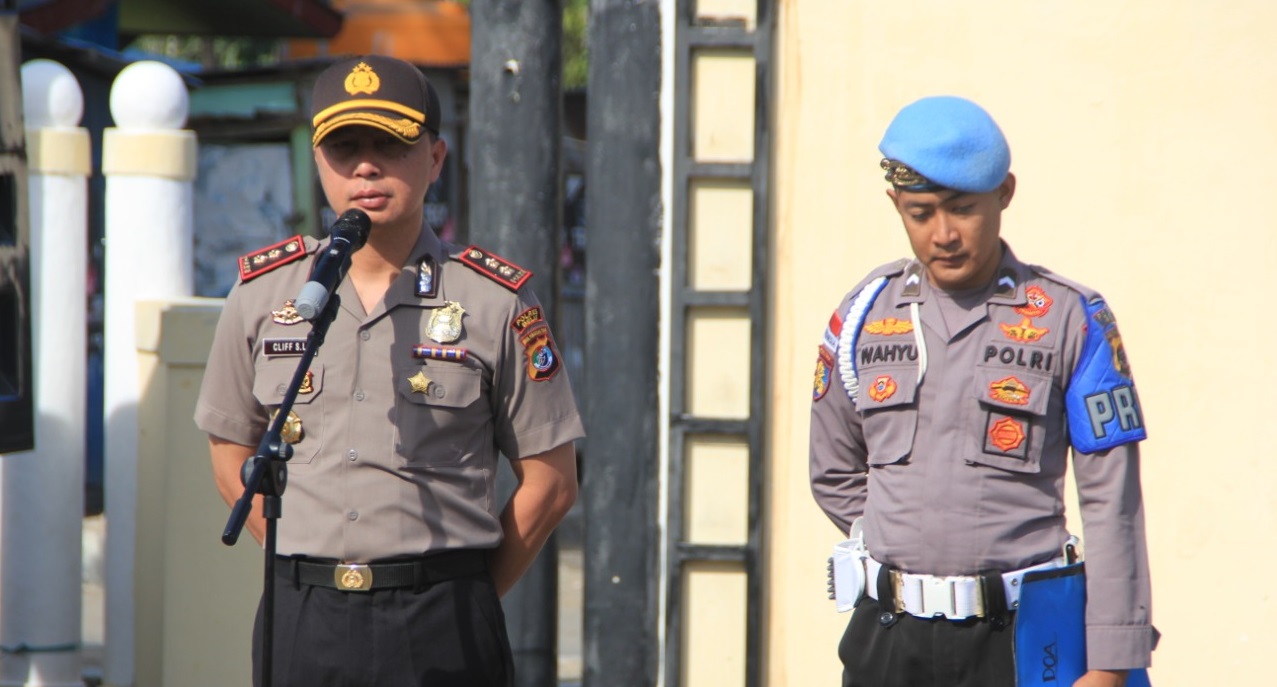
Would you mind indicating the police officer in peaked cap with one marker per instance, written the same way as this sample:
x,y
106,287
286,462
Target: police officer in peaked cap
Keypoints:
x,y
393,548
950,390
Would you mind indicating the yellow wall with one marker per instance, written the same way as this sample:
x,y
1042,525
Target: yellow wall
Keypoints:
x,y
1143,136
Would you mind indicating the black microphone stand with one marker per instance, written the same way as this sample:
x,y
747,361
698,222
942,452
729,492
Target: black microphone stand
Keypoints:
x,y
266,473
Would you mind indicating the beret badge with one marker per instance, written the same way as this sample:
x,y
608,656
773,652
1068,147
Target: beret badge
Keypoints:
x,y
362,79
900,174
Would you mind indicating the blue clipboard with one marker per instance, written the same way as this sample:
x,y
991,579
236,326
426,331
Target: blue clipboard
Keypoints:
x,y
1050,630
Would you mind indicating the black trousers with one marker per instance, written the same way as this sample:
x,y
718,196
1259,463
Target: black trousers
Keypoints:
x,y
920,652
451,634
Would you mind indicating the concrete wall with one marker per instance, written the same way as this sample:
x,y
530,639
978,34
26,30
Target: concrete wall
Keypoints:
x,y
1142,135
195,597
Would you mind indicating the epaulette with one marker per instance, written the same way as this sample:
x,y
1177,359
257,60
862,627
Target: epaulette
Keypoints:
x,y
263,260
1088,294
889,270
497,269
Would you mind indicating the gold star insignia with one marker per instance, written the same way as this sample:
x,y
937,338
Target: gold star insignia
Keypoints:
x,y
420,382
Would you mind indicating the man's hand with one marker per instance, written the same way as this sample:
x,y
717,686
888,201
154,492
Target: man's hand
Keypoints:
x,y
228,459
1102,678
546,490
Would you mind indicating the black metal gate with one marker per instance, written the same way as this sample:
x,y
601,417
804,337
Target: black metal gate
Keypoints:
x,y
698,36
17,433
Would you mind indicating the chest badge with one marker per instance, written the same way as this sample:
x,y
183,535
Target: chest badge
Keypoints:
x,y
1024,332
420,383
889,327
445,323
291,432
286,315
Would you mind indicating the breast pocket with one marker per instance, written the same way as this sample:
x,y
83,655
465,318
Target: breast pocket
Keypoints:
x,y
888,399
438,417
1011,412
269,384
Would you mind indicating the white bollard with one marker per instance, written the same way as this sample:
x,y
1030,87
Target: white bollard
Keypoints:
x,y
43,502
149,164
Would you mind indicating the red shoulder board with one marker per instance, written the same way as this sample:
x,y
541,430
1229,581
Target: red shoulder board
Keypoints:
x,y
497,269
266,259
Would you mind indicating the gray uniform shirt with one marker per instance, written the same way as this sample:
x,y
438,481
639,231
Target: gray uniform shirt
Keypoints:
x,y
398,454
964,471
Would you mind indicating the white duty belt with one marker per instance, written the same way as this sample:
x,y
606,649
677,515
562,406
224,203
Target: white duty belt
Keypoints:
x,y
955,597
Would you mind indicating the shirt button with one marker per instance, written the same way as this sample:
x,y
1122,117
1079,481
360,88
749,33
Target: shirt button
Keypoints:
x,y
438,390
352,454
281,389
359,395
352,516
365,335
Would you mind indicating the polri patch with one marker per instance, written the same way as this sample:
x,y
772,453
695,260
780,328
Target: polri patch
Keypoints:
x,y
883,388
283,347
538,347
526,319
266,259
497,269
1006,436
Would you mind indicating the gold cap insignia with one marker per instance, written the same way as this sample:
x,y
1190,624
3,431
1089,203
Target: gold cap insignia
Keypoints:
x,y
900,174
362,79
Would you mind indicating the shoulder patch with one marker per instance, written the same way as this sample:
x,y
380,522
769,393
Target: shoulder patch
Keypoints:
x,y
497,269
263,260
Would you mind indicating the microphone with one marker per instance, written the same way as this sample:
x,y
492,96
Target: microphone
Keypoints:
x,y
349,233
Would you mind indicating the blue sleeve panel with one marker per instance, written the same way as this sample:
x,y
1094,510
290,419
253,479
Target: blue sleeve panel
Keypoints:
x,y
1103,408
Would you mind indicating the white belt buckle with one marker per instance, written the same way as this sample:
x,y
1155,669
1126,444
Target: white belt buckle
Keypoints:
x,y
937,597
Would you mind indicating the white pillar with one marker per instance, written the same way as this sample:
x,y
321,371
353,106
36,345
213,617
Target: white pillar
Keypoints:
x,y
43,503
149,164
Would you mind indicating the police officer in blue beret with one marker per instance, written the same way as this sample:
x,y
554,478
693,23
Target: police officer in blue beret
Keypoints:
x,y
950,390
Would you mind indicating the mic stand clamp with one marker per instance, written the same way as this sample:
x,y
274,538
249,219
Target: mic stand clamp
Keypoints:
x,y
266,473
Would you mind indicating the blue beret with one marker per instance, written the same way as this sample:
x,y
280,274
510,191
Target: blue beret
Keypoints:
x,y
951,142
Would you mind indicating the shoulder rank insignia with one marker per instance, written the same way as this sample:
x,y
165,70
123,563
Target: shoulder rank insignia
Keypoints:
x,y
266,259
495,268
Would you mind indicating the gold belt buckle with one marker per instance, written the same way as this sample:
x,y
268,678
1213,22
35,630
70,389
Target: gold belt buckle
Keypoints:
x,y
352,577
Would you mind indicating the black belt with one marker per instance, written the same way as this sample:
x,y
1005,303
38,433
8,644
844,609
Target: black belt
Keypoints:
x,y
417,573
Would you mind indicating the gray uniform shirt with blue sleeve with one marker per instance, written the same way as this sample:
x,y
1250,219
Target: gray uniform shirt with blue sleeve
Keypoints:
x,y
949,431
